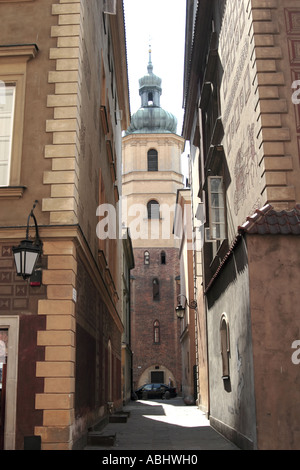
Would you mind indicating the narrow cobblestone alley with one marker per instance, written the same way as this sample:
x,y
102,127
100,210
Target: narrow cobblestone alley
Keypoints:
x,y
163,425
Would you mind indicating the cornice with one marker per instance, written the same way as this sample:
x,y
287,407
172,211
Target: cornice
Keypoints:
x,y
19,50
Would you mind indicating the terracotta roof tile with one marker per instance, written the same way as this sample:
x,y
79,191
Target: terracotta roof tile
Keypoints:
x,y
268,221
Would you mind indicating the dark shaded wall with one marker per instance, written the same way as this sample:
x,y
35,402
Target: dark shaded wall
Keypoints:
x,y
95,329
232,403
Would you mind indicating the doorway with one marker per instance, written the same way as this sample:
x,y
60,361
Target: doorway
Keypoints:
x,y
157,376
9,335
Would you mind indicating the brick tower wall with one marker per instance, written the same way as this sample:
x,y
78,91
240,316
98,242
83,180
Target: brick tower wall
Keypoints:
x,y
165,354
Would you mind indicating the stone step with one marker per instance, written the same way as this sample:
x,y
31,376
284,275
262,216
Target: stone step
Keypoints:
x,y
100,439
118,418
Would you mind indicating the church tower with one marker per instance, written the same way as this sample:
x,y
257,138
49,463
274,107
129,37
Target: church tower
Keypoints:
x,y
151,178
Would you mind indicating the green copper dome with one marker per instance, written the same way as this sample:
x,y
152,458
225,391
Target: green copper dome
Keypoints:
x,y
151,118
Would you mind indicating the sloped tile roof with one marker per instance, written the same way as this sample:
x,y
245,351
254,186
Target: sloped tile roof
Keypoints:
x,y
268,221
263,222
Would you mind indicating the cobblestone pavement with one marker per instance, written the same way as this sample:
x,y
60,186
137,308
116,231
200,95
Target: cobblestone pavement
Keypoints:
x,y
163,425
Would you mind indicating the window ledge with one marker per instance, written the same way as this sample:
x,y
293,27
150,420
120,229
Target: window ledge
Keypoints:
x,y
13,50
12,192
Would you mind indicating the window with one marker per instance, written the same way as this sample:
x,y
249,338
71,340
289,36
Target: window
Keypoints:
x,y
147,388
152,160
110,7
146,257
156,332
163,258
155,286
12,109
225,346
216,208
150,99
7,110
153,210
103,98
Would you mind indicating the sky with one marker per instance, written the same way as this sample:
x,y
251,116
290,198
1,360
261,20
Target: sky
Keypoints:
x,y
160,23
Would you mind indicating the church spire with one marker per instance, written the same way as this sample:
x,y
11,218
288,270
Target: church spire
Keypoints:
x,y
151,118
150,66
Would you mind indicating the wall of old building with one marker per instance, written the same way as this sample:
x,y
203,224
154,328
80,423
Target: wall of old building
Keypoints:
x,y
24,60
183,229
243,72
274,280
198,220
30,69
64,60
139,186
98,356
232,399
164,355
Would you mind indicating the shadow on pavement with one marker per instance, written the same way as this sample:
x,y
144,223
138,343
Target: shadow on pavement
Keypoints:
x,y
164,425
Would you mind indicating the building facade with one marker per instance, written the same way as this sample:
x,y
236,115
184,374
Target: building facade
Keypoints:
x,y
242,122
151,176
128,265
63,84
183,229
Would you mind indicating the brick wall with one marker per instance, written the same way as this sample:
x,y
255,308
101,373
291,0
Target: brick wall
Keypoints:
x,y
95,328
17,297
145,311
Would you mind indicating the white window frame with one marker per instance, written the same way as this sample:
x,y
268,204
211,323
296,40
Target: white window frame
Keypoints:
x,y
216,212
4,88
13,68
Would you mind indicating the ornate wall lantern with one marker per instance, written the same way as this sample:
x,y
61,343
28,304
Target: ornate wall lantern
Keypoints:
x,y
27,253
180,309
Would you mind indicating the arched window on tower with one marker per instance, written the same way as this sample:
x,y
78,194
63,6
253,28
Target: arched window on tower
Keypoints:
x,y
152,160
155,286
163,257
153,209
156,332
146,257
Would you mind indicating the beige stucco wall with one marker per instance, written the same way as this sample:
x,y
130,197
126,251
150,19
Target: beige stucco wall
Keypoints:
x,y
258,116
140,186
274,285
30,72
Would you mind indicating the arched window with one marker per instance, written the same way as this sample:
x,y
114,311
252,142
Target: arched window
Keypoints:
x,y
163,258
155,286
146,257
156,332
152,160
153,210
150,98
225,346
